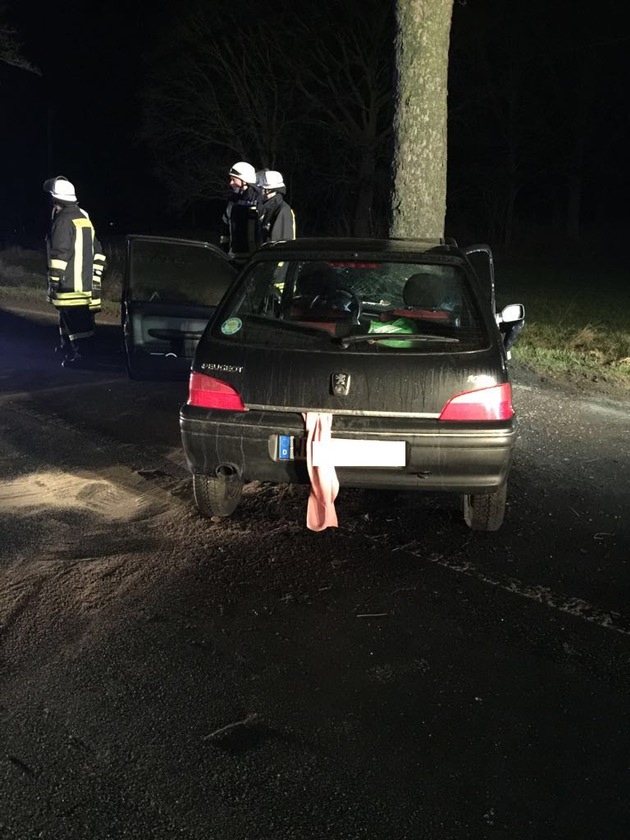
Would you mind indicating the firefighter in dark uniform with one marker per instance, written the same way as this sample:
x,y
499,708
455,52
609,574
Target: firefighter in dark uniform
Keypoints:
x,y
278,219
75,268
240,233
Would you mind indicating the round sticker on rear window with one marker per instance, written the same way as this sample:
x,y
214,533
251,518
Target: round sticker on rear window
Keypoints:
x,y
231,326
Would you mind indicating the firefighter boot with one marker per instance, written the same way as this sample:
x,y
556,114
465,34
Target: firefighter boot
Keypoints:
x,y
73,360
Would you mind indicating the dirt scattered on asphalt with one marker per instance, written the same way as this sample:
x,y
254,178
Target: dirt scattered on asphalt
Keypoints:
x,y
54,490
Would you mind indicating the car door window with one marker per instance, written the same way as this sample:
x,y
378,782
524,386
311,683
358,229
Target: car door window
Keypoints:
x,y
177,273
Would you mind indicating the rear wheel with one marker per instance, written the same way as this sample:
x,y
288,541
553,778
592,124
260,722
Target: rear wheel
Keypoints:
x,y
218,495
485,511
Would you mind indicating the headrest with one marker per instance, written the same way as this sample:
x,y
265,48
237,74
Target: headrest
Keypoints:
x,y
423,289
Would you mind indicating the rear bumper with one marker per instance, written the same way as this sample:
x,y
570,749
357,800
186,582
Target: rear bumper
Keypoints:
x,y
440,456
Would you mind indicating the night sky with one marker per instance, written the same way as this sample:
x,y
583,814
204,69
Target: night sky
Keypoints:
x,y
82,117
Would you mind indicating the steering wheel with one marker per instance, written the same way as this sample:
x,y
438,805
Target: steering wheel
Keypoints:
x,y
341,301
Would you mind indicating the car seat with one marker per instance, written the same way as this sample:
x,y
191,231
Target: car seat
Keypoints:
x,y
423,290
423,296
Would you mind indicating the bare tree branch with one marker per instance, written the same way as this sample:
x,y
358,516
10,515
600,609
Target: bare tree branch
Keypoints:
x,y
247,87
10,47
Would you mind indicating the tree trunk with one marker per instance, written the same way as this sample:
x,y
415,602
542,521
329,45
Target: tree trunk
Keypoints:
x,y
419,168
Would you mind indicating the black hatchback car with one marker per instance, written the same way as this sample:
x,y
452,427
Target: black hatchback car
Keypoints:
x,y
399,340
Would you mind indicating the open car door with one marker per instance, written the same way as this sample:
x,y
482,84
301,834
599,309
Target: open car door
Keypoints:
x,y
482,261
170,291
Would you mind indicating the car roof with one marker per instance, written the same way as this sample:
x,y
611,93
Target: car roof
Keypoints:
x,y
358,248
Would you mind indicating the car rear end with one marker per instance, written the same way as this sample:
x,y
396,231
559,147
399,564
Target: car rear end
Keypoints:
x,y
418,392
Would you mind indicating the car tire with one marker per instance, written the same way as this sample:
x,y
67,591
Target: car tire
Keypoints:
x,y
485,511
217,495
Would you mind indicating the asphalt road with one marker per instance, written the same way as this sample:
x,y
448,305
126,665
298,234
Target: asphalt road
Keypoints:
x,y
400,677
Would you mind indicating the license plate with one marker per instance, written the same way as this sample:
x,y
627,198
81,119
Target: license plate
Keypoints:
x,y
341,452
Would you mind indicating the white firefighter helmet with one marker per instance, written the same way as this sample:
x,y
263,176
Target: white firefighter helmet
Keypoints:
x,y
60,188
271,180
245,171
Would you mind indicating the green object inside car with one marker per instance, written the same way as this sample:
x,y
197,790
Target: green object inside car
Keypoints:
x,y
400,325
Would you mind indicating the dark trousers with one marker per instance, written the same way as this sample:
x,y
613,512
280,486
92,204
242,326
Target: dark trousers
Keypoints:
x,y
76,327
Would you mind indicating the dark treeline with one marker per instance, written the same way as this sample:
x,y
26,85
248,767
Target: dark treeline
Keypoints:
x,y
169,99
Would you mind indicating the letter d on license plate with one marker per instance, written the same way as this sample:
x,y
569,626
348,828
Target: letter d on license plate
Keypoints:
x,y
284,448
291,448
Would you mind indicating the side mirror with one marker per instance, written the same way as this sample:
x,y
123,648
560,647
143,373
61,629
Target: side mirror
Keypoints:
x,y
511,321
512,313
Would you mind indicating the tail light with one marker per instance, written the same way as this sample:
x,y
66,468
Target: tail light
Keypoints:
x,y
483,404
208,392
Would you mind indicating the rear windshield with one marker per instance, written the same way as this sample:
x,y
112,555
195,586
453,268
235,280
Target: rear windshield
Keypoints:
x,y
359,306
177,273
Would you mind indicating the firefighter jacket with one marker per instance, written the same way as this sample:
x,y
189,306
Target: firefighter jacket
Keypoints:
x,y
278,219
240,233
75,260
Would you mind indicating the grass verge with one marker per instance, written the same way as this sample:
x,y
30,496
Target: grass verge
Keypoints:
x,y
576,324
23,278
